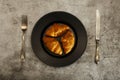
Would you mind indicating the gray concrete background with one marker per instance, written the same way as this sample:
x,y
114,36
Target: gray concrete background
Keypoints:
x,y
82,69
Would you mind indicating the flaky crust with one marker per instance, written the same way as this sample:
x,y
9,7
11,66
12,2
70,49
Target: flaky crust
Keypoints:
x,y
56,30
68,41
53,45
66,35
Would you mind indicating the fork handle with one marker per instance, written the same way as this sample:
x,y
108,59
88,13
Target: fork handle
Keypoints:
x,y
97,55
22,55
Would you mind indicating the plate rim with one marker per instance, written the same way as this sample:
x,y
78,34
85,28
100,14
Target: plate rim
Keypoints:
x,y
61,62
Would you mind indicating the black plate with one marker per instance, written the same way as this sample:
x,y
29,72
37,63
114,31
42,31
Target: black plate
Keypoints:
x,y
62,17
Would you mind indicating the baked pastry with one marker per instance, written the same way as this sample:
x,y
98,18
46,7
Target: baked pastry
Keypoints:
x,y
57,29
66,40
53,45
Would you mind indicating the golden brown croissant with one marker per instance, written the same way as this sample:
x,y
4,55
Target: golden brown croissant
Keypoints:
x,y
52,44
56,29
68,41
66,37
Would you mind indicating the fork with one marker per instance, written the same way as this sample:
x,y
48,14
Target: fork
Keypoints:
x,y
24,26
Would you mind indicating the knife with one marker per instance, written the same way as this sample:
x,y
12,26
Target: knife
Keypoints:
x,y
97,55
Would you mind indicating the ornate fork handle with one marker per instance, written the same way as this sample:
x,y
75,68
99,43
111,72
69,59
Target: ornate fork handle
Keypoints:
x,y
97,55
23,28
22,55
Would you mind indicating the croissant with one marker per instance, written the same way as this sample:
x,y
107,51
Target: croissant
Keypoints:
x,y
53,45
57,29
66,42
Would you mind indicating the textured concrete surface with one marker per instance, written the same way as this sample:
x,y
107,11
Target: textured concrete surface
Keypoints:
x,y
82,69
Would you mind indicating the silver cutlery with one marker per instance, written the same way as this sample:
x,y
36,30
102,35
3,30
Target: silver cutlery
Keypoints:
x,y
97,55
24,27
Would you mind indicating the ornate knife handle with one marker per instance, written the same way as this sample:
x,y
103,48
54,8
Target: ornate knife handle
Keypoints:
x,y
22,55
97,55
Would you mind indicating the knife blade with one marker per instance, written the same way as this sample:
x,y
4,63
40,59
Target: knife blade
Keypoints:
x,y
97,25
97,56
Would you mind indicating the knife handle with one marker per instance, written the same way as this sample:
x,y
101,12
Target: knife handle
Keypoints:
x,y
97,55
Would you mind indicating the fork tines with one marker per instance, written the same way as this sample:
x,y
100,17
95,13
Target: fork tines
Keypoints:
x,y
24,22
